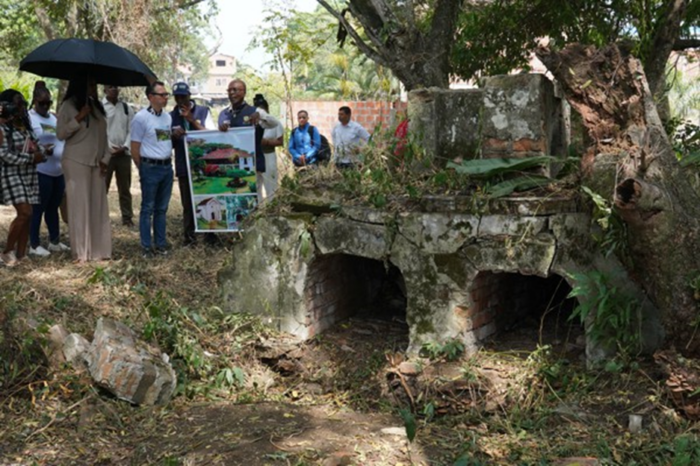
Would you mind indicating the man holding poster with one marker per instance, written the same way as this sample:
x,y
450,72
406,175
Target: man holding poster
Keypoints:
x,y
187,116
240,114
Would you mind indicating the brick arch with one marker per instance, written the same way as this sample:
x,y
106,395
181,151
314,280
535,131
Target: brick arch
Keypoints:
x,y
502,302
339,286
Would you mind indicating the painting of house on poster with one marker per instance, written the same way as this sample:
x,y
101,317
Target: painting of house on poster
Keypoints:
x,y
221,167
222,162
222,213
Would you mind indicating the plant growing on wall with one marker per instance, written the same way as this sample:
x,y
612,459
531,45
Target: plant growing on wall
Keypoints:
x,y
612,317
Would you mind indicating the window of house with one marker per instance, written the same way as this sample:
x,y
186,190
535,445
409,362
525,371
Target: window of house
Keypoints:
x,y
220,62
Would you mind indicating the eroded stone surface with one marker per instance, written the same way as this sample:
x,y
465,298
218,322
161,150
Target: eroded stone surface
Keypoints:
x,y
76,350
290,270
129,368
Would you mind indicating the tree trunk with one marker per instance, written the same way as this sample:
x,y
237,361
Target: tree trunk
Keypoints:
x,y
652,195
418,57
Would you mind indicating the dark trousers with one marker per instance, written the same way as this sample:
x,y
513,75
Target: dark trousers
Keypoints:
x,y
120,166
188,227
188,220
51,189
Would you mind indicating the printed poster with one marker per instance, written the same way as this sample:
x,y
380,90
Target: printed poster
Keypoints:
x,y
221,166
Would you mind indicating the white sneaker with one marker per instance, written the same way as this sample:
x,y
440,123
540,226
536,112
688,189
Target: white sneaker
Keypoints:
x,y
58,247
39,251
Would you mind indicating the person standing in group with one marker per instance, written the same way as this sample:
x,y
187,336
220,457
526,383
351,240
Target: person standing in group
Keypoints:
x,y
240,114
52,183
187,116
348,138
19,186
304,142
119,116
151,149
271,139
82,124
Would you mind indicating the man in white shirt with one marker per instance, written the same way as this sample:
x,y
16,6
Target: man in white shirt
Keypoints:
x,y
151,149
119,116
348,139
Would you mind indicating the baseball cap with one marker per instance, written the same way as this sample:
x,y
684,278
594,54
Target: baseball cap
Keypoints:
x,y
181,89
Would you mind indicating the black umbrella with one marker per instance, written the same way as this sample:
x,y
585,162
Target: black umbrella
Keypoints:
x,y
106,62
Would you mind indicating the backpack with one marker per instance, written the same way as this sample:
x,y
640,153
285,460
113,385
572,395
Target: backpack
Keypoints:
x,y
324,151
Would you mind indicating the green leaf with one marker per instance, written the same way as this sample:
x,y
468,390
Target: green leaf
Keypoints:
x,y
409,422
517,184
491,167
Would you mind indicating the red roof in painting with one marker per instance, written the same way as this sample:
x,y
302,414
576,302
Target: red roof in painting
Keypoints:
x,y
220,154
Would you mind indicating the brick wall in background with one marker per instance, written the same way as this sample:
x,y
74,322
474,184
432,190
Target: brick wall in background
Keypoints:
x,y
324,114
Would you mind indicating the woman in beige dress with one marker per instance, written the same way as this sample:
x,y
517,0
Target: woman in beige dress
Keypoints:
x,y
83,126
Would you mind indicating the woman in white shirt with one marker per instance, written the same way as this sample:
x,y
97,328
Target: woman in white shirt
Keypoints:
x,y
52,184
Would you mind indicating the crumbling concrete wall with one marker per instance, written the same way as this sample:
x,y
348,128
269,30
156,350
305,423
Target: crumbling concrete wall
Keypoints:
x,y
510,116
439,254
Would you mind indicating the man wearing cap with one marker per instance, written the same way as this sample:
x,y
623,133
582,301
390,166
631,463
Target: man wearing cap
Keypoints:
x,y
187,116
119,116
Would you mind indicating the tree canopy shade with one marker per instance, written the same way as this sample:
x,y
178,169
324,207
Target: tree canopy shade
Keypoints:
x,y
425,42
165,34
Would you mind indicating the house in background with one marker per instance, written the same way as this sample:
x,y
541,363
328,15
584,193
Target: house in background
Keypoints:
x,y
222,69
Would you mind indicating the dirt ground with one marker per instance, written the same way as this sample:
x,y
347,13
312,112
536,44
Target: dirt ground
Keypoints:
x,y
526,398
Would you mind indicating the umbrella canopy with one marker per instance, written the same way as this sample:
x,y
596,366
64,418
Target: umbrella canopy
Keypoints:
x,y
106,62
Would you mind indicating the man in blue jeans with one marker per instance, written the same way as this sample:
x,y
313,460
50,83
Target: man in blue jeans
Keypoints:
x,y
151,149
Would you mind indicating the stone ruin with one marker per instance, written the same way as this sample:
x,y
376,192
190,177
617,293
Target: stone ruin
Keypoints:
x,y
451,272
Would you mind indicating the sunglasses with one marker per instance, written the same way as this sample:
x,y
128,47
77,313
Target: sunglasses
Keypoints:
x,y
44,103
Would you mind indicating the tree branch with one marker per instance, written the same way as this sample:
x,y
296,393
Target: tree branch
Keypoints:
x,y
364,48
181,5
685,44
442,31
44,21
664,39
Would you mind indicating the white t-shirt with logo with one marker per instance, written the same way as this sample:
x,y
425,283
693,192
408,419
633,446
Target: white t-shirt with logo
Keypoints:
x,y
153,132
45,130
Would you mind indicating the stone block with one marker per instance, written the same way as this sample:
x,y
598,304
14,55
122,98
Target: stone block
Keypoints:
x,y
523,112
437,233
336,235
76,349
498,225
447,121
129,368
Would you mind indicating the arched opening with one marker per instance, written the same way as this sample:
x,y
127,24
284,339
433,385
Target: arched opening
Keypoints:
x,y
518,312
341,286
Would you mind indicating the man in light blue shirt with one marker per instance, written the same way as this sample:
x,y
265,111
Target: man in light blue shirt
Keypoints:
x,y
304,141
348,139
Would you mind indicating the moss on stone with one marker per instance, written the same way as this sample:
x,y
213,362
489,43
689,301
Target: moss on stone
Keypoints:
x,y
452,265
